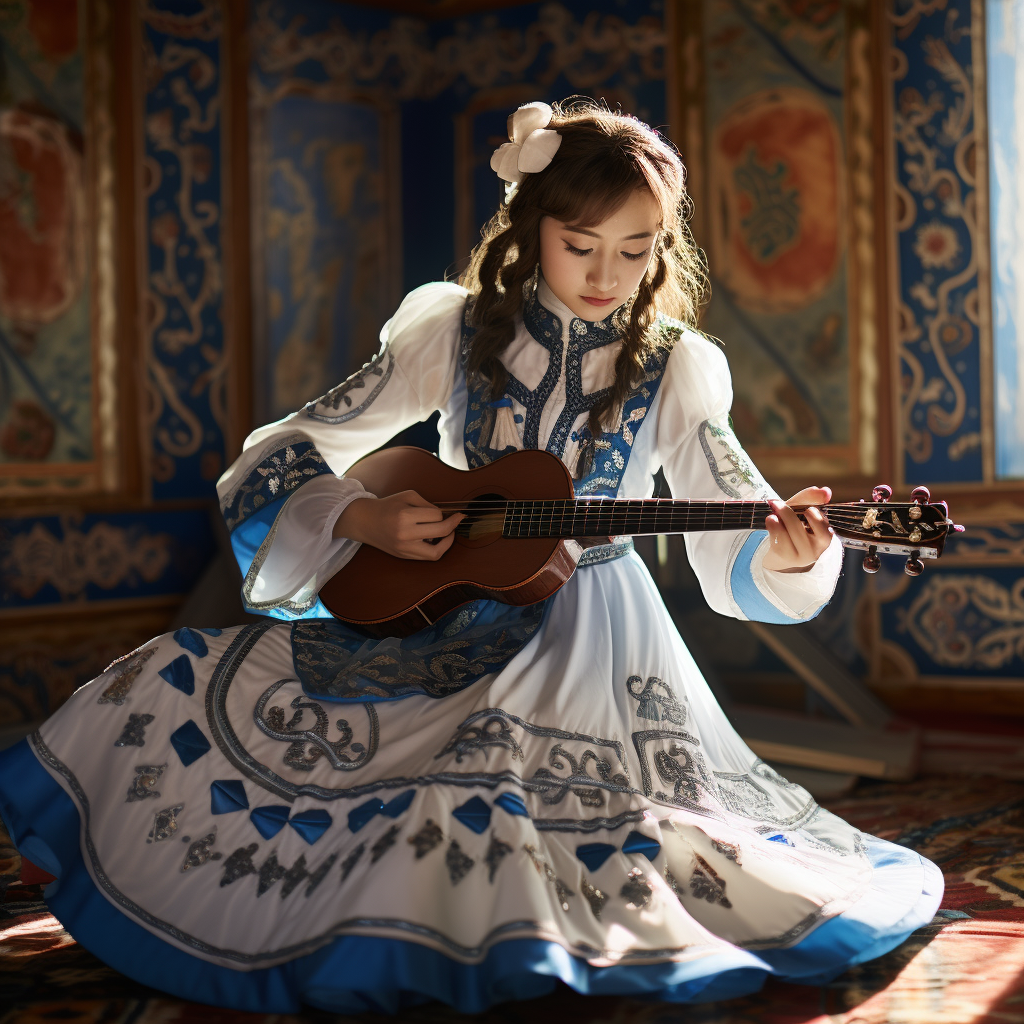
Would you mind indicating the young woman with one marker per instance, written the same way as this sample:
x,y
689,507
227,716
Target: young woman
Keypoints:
x,y
285,813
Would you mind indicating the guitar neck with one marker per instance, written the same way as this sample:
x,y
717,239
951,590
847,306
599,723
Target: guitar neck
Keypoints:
x,y
610,517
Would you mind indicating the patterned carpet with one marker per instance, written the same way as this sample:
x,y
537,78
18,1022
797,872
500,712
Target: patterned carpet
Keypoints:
x,y
966,966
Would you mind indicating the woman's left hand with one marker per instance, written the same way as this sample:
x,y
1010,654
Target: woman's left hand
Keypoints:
x,y
794,546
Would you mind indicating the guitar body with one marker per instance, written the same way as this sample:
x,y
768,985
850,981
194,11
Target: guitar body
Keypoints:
x,y
381,595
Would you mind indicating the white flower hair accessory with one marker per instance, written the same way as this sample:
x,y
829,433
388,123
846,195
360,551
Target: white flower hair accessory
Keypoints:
x,y
532,144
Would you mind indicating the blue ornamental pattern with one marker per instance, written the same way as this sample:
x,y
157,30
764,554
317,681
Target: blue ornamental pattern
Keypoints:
x,y
185,345
276,475
613,448
937,106
335,662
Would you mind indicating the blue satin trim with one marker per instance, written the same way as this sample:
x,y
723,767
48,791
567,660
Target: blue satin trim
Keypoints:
x,y
745,592
246,539
355,974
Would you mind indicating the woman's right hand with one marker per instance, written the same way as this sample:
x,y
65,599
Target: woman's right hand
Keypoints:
x,y
404,525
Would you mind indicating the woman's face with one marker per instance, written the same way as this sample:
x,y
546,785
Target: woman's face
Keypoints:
x,y
595,269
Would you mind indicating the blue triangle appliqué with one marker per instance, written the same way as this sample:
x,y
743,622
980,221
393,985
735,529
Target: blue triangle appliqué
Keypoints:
x,y
512,803
311,825
400,804
474,814
594,854
180,675
269,820
189,742
364,813
192,640
227,795
637,842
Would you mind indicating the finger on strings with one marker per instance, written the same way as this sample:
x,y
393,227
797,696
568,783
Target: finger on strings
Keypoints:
x,y
449,524
818,526
800,536
431,531
789,519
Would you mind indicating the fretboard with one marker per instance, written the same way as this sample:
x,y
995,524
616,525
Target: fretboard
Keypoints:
x,y
611,517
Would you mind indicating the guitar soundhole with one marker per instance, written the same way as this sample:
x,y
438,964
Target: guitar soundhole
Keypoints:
x,y
484,520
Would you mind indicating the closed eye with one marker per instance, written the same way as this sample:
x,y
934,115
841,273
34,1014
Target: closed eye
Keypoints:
x,y
569,247
635,255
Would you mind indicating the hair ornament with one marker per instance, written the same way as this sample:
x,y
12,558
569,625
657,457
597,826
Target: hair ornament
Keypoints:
x,y
530,147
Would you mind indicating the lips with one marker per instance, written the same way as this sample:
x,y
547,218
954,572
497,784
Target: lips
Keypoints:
x,y
597,302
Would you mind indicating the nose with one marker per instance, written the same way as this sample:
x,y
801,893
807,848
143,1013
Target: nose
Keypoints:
x,y
601,275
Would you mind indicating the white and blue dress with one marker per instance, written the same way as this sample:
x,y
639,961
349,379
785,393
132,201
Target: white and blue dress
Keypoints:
x,y
287,812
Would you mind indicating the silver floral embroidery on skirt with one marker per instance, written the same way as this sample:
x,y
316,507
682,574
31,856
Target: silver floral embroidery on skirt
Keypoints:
x,y
144,784
134,732
165,824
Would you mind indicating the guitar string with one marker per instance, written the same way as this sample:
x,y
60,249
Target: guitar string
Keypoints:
x,y
623,523
528,509
853,506
616,515
531,512
550,508
525,511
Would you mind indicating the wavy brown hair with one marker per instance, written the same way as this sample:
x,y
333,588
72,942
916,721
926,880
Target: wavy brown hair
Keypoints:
x,y
604,157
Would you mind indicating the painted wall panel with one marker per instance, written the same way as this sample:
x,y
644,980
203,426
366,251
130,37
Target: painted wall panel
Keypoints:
x,y
182,285
940,313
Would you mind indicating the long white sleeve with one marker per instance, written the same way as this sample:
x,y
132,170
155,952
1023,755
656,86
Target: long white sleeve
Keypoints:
x,y
703,460
283,495
303,546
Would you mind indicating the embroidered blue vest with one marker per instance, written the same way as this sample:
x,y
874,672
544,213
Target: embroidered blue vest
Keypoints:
x,y
612,449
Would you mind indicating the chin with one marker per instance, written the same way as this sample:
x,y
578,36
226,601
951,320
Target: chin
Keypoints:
x,y
594,313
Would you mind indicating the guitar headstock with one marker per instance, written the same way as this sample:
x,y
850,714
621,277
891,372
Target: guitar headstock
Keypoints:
x,y
917,528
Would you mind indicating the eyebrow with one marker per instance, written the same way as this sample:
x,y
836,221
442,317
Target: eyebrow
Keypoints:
x,y
594,234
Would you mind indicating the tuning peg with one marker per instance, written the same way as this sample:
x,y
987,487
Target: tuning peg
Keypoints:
x,y
872,563
883,492
921,495
914,566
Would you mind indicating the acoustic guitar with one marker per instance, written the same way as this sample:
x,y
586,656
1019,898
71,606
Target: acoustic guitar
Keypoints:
x,y
525,532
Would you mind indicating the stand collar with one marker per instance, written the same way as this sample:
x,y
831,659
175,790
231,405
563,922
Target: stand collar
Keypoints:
x,y
544,314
